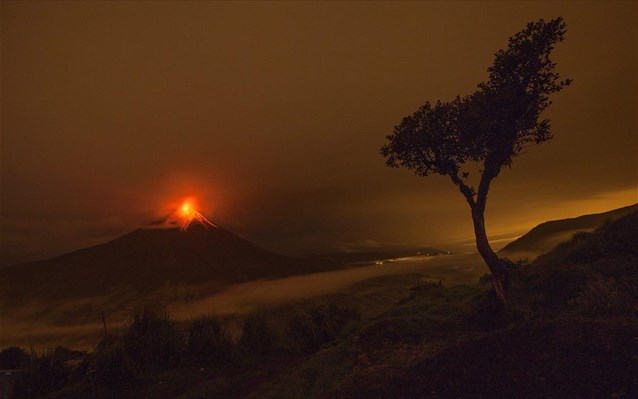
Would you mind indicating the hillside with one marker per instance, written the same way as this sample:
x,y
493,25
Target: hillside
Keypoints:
x,y
546,236
569,331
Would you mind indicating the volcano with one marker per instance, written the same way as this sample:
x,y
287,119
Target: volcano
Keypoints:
x,y
148,258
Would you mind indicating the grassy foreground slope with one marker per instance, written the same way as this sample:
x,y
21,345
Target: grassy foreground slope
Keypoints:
x,y
570,330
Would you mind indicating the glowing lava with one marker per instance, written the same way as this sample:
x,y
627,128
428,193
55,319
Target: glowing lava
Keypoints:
x,y
185,215
188,212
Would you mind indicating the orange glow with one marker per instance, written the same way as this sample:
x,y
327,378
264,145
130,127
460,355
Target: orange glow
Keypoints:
x,y
186,213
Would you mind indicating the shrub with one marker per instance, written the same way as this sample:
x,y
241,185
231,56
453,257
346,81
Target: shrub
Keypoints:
x,y
489,313
513,271
153,341
106,341
422,287
208,342
111,366
426,285
317,325
257,338
607,297
13,358
44,373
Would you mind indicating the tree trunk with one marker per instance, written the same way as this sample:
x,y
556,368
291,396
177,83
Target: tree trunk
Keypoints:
x,y
499,274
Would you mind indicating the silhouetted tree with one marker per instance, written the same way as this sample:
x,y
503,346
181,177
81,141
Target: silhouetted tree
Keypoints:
x,y
488,127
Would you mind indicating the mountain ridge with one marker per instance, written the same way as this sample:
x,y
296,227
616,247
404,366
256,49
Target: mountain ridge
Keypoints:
x,y
547,235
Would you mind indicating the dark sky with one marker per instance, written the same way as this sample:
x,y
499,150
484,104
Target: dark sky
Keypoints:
x,y
272,115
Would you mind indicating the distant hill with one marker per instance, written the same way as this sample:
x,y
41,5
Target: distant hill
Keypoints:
x,y
147,258
546,236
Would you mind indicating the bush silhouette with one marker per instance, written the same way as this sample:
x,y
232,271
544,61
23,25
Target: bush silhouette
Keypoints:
x,y
208,342
312,327
257,338
44,373
153,341
111,366
13,358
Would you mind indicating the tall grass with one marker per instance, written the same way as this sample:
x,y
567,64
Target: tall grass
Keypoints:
x,y
13,358
316,325
607,297
153,341
44,373
208,342
257,338
111,366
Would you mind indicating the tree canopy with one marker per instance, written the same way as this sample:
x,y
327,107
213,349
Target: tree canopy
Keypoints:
x,y
493,124
489,127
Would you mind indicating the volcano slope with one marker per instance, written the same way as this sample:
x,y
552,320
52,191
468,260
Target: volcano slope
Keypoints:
x,y
146,259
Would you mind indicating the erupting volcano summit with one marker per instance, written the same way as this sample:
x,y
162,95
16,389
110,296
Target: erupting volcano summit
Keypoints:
x,y
186,214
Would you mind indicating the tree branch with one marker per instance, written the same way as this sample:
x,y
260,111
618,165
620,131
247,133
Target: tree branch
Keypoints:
x,y
490,171
467,191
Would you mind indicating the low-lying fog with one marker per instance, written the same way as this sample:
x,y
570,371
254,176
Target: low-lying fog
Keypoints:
x,y
253,295
250,296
